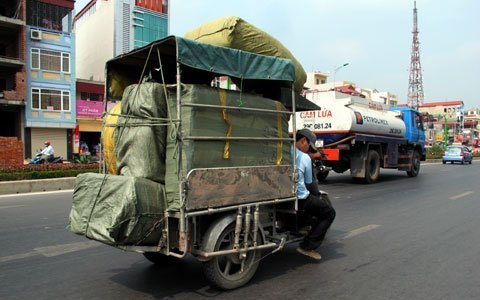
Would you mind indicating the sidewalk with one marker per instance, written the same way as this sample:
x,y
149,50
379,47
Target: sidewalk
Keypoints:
x,y
37,185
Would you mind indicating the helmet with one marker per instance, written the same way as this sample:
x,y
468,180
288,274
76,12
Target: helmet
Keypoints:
x,y
47,142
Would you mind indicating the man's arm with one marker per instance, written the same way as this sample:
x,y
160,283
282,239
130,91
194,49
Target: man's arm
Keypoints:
x,y
310,182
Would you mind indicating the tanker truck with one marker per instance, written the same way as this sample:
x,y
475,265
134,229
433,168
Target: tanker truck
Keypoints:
x,y
363,136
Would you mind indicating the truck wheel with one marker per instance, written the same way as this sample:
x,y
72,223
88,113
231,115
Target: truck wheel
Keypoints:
x,y
372,167
415,165
225,272
321,176
159,258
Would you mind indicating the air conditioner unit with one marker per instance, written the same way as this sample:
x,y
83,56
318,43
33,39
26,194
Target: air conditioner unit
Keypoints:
x,y
35,35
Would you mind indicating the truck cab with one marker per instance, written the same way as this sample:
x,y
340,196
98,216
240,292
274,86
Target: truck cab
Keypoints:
x,y
414,127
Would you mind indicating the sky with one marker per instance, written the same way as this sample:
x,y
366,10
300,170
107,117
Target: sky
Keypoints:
x,y
373,36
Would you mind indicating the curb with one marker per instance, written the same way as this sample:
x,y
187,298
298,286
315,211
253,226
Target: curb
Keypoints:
x,y
37,185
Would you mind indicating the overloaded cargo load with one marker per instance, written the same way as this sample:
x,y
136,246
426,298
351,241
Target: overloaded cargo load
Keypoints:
x,y
143,148
118,210
236,33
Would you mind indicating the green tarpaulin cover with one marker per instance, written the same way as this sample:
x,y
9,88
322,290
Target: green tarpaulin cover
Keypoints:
x,y
140,136
117,210
202,59
223,123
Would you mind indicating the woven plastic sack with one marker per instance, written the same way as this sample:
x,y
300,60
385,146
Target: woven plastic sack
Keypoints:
x,y
236,33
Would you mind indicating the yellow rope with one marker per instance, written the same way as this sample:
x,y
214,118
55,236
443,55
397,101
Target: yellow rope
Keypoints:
x,y
279,107
223,101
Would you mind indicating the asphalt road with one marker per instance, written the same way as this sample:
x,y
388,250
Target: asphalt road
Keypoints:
x,y
402,238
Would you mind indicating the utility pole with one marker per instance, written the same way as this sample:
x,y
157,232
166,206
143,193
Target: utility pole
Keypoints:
x,y
415,86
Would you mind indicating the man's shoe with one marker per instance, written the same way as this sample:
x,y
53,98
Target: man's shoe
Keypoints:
x,y
310,253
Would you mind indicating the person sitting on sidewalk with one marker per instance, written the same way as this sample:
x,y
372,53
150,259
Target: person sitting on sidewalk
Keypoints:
x,y
309,198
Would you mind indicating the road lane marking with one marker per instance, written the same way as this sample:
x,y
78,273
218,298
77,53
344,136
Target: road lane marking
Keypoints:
x,y
11,206
17,256
51,251
461,195
358,231
35,193
56,250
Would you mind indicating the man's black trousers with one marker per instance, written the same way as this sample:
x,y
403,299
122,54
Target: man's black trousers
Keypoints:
x,y
324,213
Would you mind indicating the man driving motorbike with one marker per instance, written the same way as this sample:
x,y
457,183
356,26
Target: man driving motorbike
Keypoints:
x,y
309,196
47,152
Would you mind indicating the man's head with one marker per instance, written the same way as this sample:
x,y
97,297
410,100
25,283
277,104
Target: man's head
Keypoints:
x,y
47,143
305,141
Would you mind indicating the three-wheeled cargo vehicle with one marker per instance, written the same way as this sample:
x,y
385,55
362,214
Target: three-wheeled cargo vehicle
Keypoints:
x,y
194,169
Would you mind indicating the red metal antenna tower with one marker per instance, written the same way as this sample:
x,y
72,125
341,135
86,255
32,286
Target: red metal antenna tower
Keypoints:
x,y
415,82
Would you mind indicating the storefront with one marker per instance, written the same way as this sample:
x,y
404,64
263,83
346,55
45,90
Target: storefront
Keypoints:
x,y
87,134
57,137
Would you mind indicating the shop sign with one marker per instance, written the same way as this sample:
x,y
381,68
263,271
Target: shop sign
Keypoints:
x,y
87,108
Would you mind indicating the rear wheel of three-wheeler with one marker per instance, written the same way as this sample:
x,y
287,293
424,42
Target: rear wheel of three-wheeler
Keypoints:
x,y
229,271
415,165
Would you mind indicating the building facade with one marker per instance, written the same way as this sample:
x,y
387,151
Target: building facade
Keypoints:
x,y
50,44
114,27
318,82
472,125
445,122
12,81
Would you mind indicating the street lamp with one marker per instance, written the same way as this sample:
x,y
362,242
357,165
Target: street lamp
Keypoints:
x,y
335,73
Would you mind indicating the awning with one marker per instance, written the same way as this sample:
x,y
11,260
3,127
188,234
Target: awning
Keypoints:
x,y
89,125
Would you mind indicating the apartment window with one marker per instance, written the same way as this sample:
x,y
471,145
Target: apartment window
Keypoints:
x,y
47,99
50,60
65,62
45,15
90,96
35,59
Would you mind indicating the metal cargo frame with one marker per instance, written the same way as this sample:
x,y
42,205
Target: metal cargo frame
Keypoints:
x,y
182,59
